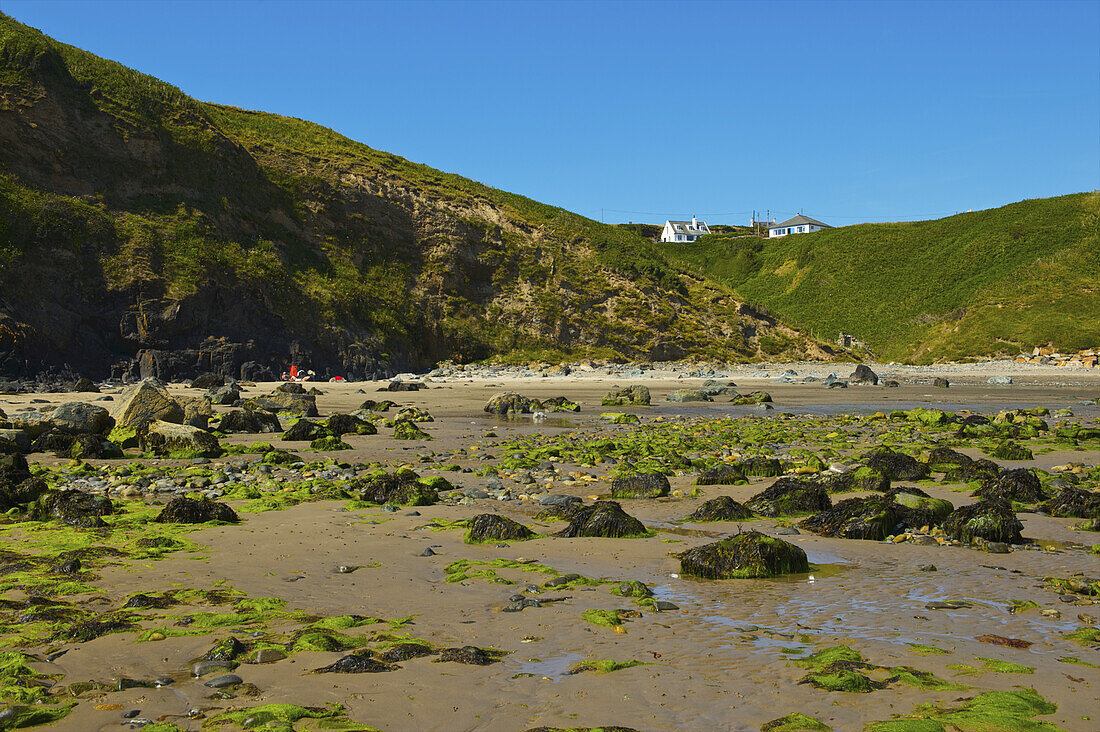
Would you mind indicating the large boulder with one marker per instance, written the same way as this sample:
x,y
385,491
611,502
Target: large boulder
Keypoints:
x,y
208,381
73,507
637,396
182,510
991,520
249,421
197,411
896,465
509,402
603,519
722,474
167,438
863,376
980,471
722,508
31,422
146,402
303,405
744,556
790,497
223,395
75,447
640,485
491,528
13,495
403,487
78,418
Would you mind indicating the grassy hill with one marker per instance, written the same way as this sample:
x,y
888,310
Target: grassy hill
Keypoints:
x,y
982,283
143,230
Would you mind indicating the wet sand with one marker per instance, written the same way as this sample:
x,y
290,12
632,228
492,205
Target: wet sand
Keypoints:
x,y
704,666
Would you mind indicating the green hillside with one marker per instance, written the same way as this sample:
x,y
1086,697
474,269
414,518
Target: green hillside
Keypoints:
x,y
982,283
142,230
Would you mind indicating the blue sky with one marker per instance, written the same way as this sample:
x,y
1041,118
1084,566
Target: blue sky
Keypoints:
x,y
849,111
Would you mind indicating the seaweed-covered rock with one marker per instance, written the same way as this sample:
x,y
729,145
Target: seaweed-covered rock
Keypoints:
x,y
182,510
762,467
560,404
922,510
637,396
249,421
28,490
790,497
413,414
73,507
1009,450
863,478
992,520
755,397
371,405
688,395
873,517
166,438
403,487
290,387
722,474
405,652
603,518
509,402
863,376
1073,502
329,443
491,527
1020,485
722,508
304,430
226,651
640,485
896,465
78,418
471,655
197,411
940,383
405,430
75,447
746,555
360,662
145,402
982,471
398,385
944,459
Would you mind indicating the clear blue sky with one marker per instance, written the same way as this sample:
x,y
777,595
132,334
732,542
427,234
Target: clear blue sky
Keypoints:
x,y
850,111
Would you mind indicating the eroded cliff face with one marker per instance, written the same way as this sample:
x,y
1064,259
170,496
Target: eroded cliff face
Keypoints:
x,y
145,233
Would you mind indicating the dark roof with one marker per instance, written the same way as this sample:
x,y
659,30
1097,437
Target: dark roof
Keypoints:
x,y
799,220
685,227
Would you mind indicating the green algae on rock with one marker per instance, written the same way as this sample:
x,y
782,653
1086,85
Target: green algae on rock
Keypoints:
x,y
406,430
746,555
603,666
403,487
986,712
795,722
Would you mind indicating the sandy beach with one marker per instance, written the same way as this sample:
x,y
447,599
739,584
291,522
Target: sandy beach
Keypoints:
x,y
724,656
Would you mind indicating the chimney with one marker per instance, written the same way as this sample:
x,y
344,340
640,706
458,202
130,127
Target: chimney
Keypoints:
x,y
694,223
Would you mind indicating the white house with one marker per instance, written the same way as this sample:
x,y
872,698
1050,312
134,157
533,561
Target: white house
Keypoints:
x,y
684,230
798,225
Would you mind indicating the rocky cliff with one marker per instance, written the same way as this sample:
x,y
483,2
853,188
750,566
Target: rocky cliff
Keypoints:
x,y
142,231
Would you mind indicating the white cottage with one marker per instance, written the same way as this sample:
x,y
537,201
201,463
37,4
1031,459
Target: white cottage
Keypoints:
x,y
797,225
684,230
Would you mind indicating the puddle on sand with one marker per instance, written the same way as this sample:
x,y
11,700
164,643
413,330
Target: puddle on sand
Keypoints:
x,y
554,668
520,420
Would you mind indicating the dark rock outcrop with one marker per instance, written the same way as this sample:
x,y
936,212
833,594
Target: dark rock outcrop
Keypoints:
x,y
183,510
743,556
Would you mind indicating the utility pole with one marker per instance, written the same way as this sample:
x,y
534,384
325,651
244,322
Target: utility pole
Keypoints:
x,y
601,214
